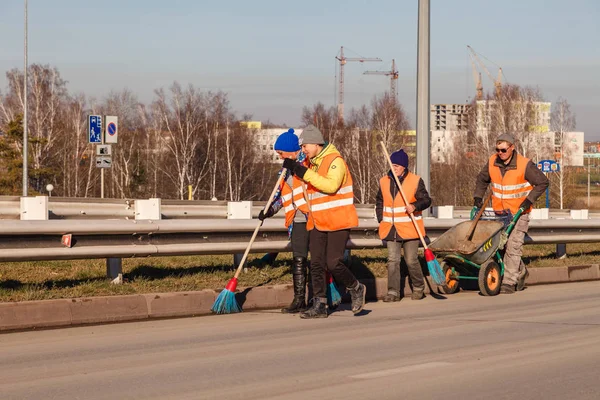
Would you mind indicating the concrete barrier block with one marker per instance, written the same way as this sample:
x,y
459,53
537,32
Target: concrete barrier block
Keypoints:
x,y
547,275
179,304
92,310
34,314
583,272
443,212
540,213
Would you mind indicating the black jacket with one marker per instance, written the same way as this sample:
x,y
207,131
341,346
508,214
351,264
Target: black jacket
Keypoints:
x,y
423,201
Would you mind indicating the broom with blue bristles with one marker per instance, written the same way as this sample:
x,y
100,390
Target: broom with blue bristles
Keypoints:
x,y
226,302
334,298
433,265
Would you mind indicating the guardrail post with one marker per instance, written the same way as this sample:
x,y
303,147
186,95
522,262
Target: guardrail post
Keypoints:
x,y
239,210
114,270
561,248
144,210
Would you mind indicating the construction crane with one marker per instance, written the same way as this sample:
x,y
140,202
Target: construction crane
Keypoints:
x,y
343,60
477,79
393,74
497,81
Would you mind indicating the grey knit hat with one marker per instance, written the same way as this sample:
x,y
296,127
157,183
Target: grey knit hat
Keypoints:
x,y
506,137
311,135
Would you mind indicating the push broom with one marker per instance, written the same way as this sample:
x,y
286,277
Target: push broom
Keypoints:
x,y
226,302
434,267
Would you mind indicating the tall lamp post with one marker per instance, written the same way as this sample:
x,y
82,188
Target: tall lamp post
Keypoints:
x,y
25,133
423,141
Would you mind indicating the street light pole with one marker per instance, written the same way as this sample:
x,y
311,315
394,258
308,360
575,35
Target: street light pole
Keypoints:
x,y
25,133
423,141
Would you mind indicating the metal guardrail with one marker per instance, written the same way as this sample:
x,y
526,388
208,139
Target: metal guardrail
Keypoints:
x,y
66,208
41,240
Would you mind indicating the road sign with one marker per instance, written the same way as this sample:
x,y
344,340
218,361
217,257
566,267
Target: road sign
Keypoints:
x,y
104,150
112,129
95,128
548,166
103,162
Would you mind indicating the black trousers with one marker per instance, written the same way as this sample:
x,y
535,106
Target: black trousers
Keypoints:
x,y
326,253
300,240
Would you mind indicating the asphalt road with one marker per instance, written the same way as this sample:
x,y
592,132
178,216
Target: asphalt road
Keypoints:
x,y
543,343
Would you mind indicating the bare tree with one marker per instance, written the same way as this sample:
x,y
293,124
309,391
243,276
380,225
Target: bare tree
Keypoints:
x,y
182,119
562,121
73,147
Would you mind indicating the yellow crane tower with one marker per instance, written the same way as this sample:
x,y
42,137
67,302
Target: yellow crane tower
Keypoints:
x,y
497,82
343,60
393,74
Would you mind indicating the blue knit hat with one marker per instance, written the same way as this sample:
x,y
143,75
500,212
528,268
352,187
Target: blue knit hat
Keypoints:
x,y
287,141
400,158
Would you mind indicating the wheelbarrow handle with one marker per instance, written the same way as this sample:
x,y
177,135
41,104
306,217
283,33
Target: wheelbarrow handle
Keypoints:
x,y
513,222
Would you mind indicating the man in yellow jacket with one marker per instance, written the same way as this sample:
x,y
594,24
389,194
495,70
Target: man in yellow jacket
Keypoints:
x,y
331,216
516,183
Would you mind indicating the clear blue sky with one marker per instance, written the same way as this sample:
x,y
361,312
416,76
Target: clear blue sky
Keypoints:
x,y
273,57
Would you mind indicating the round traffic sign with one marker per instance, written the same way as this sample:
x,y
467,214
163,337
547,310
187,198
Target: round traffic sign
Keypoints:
x,y
111,128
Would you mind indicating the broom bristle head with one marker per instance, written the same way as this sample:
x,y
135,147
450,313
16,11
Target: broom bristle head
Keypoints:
x,y
436,272
334,298
226,303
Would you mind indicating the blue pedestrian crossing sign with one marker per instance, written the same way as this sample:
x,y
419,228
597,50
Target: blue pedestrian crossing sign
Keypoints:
x,y
95,128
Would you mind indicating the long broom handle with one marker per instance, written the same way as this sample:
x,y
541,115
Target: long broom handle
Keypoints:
x,y
412,217
479,214
239,269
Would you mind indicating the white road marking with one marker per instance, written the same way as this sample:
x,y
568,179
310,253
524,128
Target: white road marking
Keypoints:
x,y
393,371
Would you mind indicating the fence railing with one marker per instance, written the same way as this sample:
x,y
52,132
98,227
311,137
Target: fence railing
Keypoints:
x,y
41,240
64,208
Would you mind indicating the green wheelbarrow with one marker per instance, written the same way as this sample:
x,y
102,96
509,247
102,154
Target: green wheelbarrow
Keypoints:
x,y
483,261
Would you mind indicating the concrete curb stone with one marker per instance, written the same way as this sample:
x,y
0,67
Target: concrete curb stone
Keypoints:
x,y
93,310
35,314
104,309
179,304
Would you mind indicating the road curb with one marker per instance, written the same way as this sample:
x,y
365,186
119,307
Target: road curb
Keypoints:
x,y
94,310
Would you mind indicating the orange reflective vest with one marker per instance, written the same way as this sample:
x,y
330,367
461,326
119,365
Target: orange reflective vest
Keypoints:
x,y
511,189
332,212
394,210
293,199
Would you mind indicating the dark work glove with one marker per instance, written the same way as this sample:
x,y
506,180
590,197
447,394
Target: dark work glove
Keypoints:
x,y
289,164
477,202
294,167
262,215
526,204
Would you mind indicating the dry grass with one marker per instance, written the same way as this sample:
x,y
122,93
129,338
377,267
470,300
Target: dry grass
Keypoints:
x,y
85,278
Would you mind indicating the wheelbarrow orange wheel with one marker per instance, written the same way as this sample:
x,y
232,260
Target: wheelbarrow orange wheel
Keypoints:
x,y
451,285
490,279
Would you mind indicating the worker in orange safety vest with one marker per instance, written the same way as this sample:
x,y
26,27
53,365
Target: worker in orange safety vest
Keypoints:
x,y
516,183
396,227
331,216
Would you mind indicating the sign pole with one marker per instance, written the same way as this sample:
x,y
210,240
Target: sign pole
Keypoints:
x,y
547,194
102,169
589,162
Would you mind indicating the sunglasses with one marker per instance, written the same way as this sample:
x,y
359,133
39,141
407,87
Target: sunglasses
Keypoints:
x,y
501,150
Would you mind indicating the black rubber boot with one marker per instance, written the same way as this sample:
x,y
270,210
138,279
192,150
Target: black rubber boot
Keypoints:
x,y
317,310
299,276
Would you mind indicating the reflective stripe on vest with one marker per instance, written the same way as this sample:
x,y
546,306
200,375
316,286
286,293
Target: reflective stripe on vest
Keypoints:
x,y
511,189
394,210
293,199
332,212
